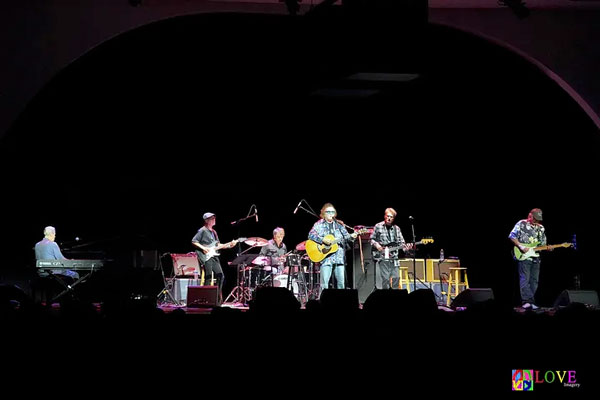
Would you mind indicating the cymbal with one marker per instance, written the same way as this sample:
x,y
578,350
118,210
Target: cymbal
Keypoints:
x,y
262,260
301,246
256,241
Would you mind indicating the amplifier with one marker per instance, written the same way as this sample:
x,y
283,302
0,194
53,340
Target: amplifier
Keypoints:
x,y
180,288
420,267
185,264
434,268
203,296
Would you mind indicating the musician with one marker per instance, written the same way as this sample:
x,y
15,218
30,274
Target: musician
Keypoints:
x,y
205,240
335,262
48,249
276,250
386,243
526,233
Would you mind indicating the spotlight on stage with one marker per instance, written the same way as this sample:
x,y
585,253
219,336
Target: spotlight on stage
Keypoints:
x,y
517,6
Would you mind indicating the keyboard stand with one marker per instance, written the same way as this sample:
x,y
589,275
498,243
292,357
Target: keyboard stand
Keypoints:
x,y
68,288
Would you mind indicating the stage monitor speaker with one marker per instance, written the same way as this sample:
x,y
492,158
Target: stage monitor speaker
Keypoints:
x,y
468,297
588,297
203,296
186,264
340,300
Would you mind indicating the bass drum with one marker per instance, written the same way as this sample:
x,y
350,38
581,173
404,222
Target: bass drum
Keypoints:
x,y
281,280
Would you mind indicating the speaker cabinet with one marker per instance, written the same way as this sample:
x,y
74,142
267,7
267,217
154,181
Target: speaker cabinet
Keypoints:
x,y
339,300
185,264
588,297
203,296
434,269
411,264
180,288
468,297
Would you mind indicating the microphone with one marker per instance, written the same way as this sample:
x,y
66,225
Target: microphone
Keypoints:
x,y
256,213
298,206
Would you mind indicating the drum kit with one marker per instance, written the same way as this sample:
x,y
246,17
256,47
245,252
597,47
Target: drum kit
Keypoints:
x,y
255,271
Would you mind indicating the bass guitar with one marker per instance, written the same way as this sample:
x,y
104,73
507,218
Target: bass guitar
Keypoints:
x,y
318,252
377,255
533,248
214,247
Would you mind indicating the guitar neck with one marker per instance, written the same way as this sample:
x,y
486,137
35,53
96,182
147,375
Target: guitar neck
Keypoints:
x,y
551,246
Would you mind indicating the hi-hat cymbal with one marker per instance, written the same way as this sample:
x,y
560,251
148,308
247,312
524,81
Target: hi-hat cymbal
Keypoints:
x,y
256,241
301,246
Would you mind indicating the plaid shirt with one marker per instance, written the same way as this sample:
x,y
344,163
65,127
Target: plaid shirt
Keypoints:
x,y
385,237
322,228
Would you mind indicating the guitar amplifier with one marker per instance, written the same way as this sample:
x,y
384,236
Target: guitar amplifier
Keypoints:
x,y
203,296
186,264
433,271
180,288
420,267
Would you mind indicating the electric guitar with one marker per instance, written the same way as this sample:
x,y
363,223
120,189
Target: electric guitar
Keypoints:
x,y
533,247
318,252
213,249
377,255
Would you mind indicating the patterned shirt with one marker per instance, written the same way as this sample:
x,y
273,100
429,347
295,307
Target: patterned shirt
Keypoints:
x,y
322,228
387,236
528,233
271,250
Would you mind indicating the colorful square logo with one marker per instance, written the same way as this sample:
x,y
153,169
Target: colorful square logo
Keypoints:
x,y
522,380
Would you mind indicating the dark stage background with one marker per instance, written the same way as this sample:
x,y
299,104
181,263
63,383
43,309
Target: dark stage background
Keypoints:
x,y
130,145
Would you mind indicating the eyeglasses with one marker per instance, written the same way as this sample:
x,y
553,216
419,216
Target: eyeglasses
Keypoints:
x,y
390,216
329,212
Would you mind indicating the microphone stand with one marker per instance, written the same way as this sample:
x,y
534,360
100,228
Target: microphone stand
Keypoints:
x,y
237,223
414,249
311,268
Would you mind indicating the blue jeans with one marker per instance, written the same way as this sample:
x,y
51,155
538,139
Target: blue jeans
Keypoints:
x,y
529,274
338,270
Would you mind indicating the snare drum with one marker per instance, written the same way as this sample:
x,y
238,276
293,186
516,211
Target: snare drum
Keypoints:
x,y
281,280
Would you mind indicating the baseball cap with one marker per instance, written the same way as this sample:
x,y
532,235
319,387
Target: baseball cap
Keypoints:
x,y
537,214
208,215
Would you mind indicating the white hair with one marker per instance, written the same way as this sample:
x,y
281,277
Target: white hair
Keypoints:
x,y
49,230
277,230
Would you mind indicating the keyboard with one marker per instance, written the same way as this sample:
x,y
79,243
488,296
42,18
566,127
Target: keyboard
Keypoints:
x,y
74,265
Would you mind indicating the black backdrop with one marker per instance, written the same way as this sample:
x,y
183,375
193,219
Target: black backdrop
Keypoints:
x,y
130,145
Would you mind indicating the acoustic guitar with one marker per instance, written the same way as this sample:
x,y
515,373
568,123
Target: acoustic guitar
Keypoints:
x,y
318,252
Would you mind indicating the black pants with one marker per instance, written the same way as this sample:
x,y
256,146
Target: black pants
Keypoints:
x,y
213,267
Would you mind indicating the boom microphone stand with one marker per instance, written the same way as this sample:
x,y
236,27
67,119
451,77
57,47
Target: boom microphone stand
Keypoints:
x,y
311,268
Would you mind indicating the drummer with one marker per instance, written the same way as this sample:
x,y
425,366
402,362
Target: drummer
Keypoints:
x,y
276,250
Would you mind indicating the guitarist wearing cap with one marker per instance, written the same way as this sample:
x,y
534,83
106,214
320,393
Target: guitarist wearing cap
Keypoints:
x,y
527,233
207,244
386,241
